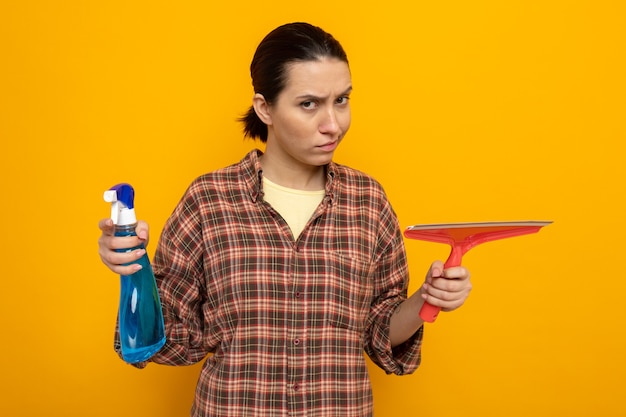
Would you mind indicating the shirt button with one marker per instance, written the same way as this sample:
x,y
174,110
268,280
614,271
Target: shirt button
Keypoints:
x,y
296,342
296,387
297,294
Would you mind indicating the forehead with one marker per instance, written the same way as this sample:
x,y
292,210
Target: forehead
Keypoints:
x,y
320,77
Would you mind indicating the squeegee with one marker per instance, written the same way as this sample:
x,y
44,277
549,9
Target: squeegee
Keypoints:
x,y
464,236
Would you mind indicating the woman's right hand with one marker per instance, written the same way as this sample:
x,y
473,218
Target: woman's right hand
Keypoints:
x,y
108,243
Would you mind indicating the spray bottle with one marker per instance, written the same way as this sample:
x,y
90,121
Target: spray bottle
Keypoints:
x,y
141,327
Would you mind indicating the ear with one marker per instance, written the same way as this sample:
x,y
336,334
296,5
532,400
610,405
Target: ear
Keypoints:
x,y
262,108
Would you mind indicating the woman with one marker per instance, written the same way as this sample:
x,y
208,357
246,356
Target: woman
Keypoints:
x,y
287,266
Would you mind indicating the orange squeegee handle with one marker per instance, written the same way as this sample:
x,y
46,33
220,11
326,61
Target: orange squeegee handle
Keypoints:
x,y
429,312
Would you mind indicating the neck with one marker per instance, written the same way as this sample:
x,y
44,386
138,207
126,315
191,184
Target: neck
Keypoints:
x,y
298,177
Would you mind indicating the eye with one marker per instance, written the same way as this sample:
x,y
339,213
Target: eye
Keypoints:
x,y
343,100
308,105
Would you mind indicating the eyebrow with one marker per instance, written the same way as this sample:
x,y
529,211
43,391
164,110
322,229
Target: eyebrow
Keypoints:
x,y
314,97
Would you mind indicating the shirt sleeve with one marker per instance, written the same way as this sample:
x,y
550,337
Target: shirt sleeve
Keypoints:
x,y
179,274
391,277
179,271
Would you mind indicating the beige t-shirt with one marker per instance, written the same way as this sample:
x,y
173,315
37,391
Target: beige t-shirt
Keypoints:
x,y
296,206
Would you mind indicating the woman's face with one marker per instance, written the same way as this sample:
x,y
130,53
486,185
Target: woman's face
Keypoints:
x,y
312,113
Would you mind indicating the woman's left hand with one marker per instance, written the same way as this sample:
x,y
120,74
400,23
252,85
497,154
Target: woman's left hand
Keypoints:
x,y
446,288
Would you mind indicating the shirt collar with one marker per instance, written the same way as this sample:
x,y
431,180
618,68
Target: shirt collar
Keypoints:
x,y
253,176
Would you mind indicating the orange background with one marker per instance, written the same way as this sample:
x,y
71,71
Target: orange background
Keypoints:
x,y
465,111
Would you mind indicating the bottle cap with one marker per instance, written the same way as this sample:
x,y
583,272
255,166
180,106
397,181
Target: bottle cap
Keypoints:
x,y
122,199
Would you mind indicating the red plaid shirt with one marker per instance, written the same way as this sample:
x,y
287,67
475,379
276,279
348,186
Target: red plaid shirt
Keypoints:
x,y
287,320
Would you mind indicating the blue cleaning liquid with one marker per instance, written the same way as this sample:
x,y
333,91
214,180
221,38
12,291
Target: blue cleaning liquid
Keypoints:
x,y
142,332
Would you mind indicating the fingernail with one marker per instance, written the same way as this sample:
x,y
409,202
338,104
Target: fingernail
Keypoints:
x,y
138,267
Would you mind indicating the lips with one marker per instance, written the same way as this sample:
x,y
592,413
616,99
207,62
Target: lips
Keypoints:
x,y
330,146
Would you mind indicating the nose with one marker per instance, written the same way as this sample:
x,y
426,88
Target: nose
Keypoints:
x,y
329,123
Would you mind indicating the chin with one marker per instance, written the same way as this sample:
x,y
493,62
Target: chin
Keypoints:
x,y
321,160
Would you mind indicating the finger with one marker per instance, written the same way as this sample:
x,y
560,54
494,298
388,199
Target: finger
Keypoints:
x,y
106,226
445,300
122,258
143,231
441,294
126,269
435,270
122,262
119,243
456,272
451,285
441,300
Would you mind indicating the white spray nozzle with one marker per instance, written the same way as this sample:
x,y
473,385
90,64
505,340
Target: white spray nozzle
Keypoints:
x,y
121,197
110,196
